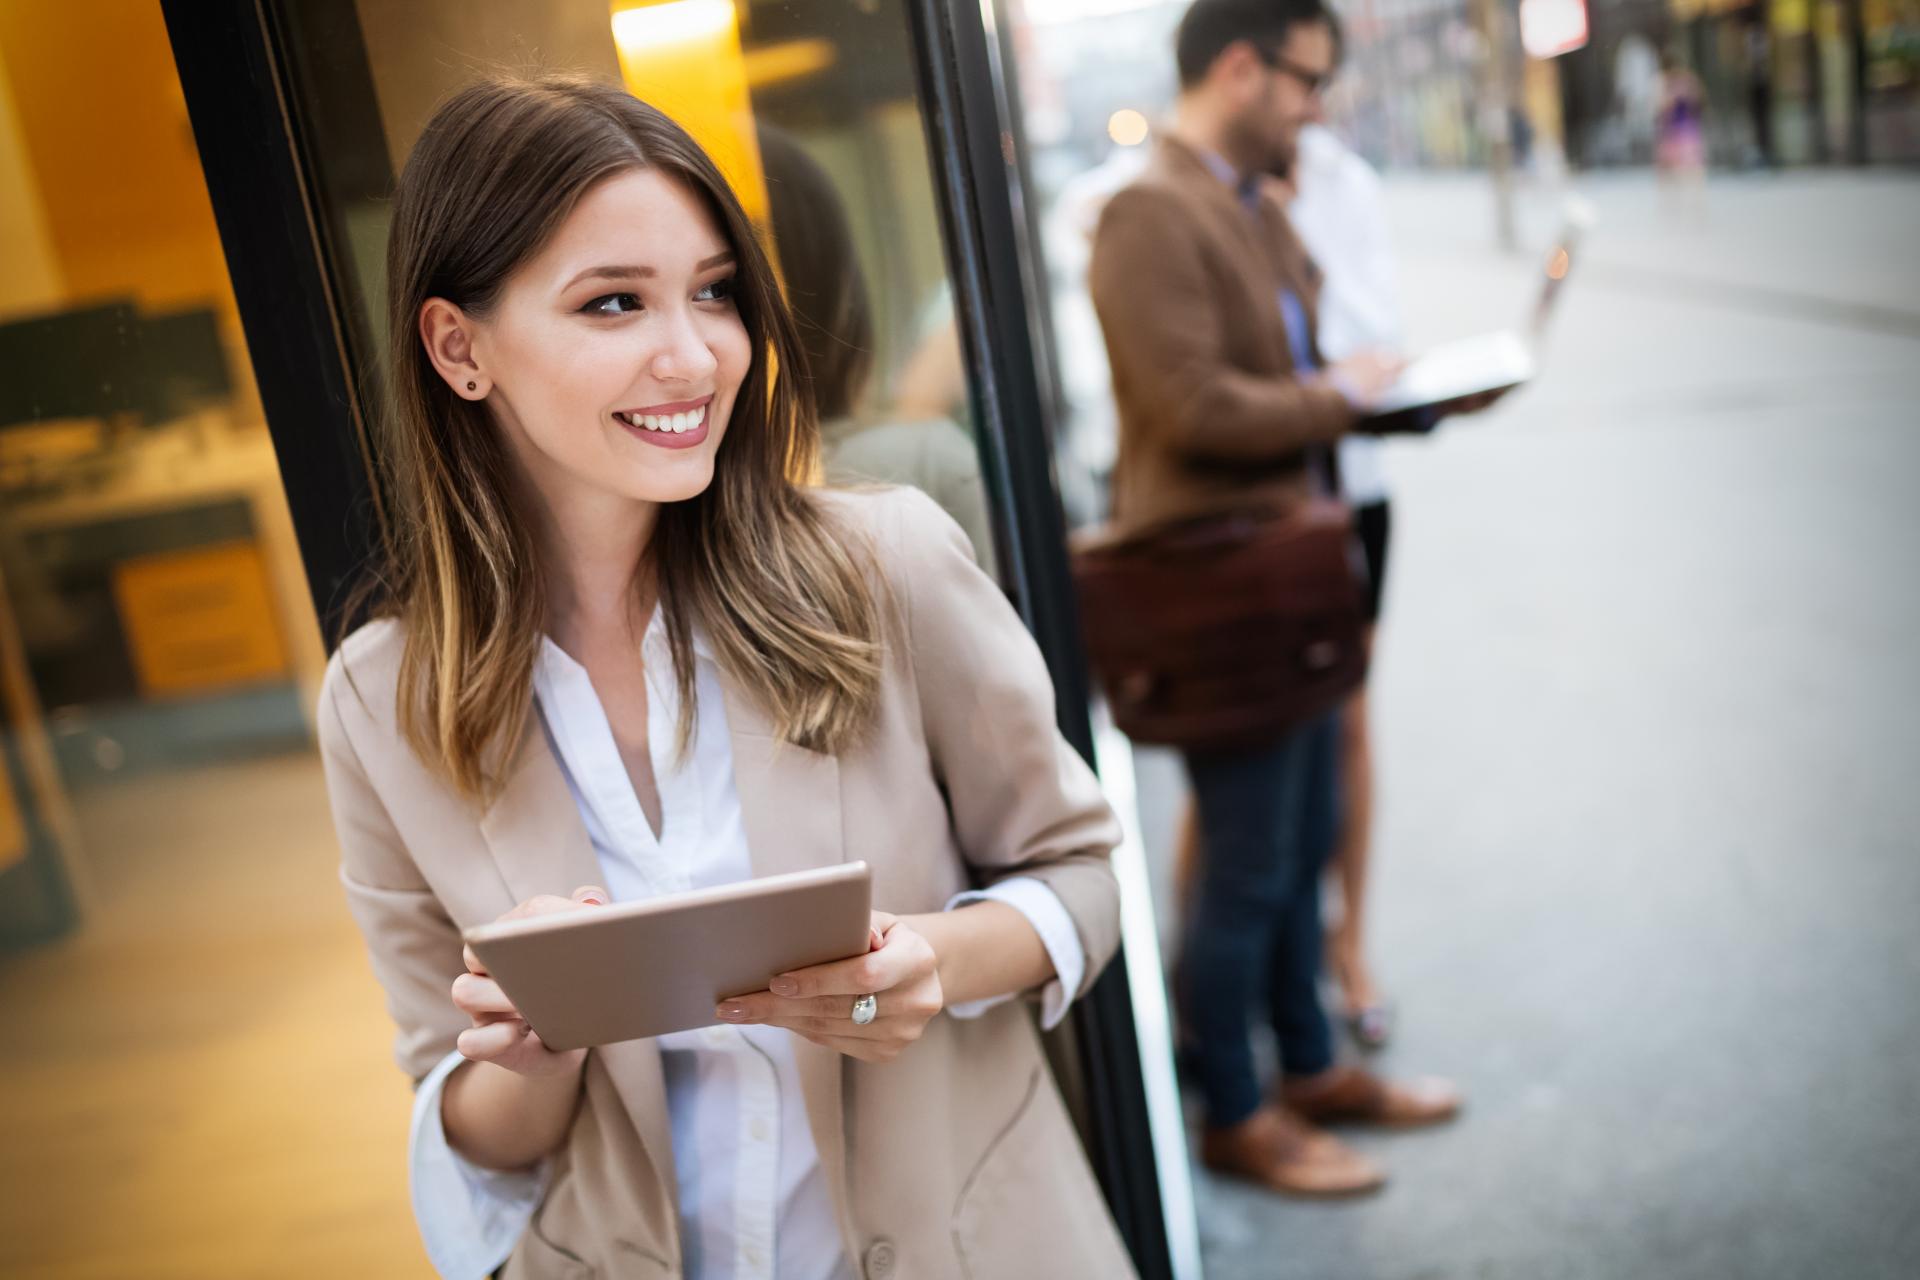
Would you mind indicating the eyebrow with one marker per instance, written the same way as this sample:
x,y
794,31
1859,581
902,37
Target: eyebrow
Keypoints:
x,y
641,272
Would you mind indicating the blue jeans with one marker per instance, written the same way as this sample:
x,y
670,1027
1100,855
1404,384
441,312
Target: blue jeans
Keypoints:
x,y
1267,823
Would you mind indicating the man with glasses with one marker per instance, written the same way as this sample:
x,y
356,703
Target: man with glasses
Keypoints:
x,y
1206,298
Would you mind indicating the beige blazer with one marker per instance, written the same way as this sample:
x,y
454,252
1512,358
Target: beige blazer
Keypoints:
x,y
958,1159
1187,284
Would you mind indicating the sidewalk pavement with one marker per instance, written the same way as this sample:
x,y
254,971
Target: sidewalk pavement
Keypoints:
x,y
1648,848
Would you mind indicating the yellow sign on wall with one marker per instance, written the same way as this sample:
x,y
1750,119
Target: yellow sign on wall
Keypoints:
x,y
1790,17
683,56
199,620
13,831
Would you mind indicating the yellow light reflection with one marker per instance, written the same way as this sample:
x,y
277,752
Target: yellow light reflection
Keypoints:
x,y
684,57
1127,127
789,60
1557,265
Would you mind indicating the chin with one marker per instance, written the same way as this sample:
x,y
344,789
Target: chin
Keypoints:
x,y
684,483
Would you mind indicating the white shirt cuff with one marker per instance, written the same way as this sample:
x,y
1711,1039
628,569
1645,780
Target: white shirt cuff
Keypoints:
x,y
470,1218
1048,916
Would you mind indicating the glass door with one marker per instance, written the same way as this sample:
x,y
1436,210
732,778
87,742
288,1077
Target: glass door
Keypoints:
x,y
867,139
193,1076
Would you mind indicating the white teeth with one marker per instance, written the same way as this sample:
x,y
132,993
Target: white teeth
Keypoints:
x,y
677,423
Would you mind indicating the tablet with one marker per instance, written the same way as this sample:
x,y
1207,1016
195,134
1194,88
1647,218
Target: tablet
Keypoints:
x,y
1454,370
633,969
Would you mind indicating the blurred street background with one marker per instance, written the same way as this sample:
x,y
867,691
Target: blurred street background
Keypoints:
x,y
1647,856
1647,863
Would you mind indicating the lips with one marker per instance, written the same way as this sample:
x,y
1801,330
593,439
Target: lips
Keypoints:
x,y
680,425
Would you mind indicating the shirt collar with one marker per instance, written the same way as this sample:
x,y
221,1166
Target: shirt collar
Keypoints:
x,y
1246,190
652,641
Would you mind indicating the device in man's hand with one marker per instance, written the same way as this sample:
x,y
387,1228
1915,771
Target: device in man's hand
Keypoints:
x,y
1456,370
646,968
1488,362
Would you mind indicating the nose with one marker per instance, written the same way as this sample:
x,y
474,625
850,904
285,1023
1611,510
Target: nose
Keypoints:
x,y
682,354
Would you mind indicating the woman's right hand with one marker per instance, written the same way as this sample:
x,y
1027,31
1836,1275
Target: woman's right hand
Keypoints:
x,y
499,1034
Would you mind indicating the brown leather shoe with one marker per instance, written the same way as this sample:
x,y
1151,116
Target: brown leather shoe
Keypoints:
x,y
1282,1152
1354,1095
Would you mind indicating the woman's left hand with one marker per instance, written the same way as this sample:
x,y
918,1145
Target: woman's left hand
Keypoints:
x,y
900,971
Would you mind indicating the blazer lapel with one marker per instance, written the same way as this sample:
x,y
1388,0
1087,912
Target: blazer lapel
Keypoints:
x,y
790,810
540,846
1247,229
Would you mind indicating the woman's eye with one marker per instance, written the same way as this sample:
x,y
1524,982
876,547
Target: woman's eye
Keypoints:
x,y
718,291
613,304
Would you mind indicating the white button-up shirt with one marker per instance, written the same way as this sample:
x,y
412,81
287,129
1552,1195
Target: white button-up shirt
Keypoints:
x,y
1340,213
753,1201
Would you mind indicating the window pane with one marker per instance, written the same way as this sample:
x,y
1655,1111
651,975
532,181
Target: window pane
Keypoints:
x,y
809,109
194,1078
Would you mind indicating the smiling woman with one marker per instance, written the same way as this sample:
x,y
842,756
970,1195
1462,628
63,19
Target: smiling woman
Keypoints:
x,y
512,359
627,652
556,351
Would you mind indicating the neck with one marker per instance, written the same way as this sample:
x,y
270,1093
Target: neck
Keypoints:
x,y
594,557
1201,125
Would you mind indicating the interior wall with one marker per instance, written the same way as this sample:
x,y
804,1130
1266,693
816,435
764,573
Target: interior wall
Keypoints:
x,y
29,276
98,146
421,51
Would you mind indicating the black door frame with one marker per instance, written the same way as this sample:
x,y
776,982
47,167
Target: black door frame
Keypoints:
x,y
234,71
231,74
971,137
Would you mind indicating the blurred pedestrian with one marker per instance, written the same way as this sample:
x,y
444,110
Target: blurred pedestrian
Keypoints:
x,y
1680,141
1759,50
1206,298
1336,204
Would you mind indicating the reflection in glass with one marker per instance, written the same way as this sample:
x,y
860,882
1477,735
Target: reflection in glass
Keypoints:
x,y
836,79
827,289
185,1000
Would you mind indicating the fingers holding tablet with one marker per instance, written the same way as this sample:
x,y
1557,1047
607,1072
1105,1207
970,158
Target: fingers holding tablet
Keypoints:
x,y
654,965
499,1034
819,1002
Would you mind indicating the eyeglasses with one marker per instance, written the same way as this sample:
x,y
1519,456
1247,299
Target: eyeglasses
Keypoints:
x,y
1314,82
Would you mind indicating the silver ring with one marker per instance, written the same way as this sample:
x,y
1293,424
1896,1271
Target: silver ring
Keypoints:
x,y
864,1010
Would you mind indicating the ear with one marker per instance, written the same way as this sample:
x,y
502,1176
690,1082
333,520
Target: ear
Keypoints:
x,y
1238,68
447,334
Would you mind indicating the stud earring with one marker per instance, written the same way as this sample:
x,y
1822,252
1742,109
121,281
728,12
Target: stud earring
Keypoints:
x,y
473,386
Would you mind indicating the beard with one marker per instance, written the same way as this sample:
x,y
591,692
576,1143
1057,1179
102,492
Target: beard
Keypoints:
x,y
1264,145
1281,156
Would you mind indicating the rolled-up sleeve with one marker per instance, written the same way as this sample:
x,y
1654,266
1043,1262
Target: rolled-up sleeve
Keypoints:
x,y
1044,911
470,1218
1023,802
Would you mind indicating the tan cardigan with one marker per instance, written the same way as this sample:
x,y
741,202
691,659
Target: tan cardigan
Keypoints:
x,y
1186,283
956,1160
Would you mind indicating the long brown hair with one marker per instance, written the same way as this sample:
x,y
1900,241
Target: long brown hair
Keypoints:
x,y
786,606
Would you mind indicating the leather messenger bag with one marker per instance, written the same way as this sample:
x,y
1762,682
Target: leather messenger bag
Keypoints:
x,y
1225,631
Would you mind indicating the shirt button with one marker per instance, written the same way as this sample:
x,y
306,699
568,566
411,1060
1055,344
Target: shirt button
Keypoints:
x,y
758,1130
880,1260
